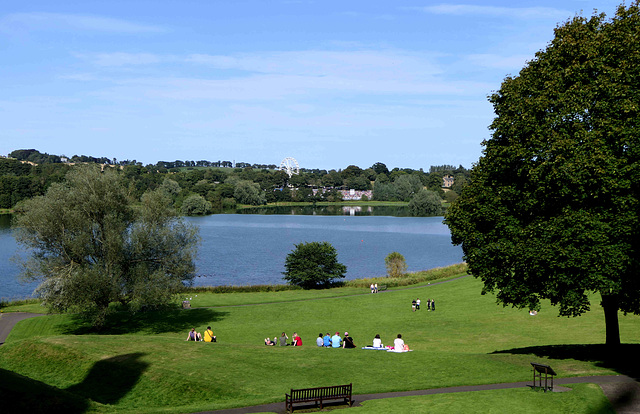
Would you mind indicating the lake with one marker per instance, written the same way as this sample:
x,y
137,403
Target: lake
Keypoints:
x,y
250,249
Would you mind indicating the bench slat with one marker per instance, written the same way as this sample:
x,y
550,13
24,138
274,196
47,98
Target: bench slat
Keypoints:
x,y
318,395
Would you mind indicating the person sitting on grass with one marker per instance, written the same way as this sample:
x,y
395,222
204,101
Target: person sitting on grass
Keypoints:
x,y
193,335
327,340
297,341
209,336
283,339
377,342
348,341
336,341
269,342
319,340
398,343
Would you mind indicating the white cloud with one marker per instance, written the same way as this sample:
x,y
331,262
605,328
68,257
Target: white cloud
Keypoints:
x,y
359,63
122,59
58,21
494,11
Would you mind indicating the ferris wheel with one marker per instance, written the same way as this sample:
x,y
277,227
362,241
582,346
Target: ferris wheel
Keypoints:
x,y
290,166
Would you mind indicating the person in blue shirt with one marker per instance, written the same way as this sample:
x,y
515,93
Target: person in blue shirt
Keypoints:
x,y
327,340
336,341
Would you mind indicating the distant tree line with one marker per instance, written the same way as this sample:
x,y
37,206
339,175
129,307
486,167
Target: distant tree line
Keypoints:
x,y
203,187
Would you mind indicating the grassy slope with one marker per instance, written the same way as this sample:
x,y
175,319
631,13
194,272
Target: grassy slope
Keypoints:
x,y
452,346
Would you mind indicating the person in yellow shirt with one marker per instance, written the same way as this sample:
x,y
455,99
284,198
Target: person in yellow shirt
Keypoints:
x,y
209,336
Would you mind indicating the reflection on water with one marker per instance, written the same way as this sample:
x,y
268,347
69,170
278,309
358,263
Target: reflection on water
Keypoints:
x,y
331,210
5,222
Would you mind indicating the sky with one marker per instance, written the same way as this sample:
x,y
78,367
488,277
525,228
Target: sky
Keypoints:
x,y
329,83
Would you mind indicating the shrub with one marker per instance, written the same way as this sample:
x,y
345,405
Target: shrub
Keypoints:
x,y
396,265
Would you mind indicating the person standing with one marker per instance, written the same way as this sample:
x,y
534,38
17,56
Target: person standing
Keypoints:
x,y
336,341
413,305
372,289
418,304
375,288
428,304
433,304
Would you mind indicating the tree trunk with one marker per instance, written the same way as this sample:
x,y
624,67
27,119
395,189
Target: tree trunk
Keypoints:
x,y
610,306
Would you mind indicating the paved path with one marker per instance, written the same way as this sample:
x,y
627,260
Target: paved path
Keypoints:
x,y
8,320
622,391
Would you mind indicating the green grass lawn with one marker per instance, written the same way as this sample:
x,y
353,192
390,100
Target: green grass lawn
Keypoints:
x,y
584,398
144,364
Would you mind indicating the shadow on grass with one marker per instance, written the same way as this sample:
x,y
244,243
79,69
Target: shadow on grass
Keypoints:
x,y
623,359
111,379
151,322
20,394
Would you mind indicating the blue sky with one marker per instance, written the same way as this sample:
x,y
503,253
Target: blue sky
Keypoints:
x,y
330,83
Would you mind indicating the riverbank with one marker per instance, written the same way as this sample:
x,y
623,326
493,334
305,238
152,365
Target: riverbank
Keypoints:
x,y
347,288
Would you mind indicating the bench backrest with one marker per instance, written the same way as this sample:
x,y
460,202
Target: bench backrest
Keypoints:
x,y
335,391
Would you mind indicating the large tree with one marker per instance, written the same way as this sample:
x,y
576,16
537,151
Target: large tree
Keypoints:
x,y
313,265
551,210
89,247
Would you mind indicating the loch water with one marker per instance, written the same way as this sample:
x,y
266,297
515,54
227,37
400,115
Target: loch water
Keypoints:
x,y
250,249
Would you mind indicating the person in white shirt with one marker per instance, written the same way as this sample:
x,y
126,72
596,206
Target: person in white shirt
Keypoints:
x,y
398,343
377,342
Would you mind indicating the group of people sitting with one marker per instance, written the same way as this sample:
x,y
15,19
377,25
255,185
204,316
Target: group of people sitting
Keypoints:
x,y
325,341
282,340
398,343
335,341
196,336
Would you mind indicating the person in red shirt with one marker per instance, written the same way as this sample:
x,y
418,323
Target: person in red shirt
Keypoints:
x,y
297,341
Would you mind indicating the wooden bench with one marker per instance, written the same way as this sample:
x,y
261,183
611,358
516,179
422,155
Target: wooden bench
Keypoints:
x,y
318,395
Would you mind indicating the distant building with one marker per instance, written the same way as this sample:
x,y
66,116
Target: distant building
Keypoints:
x,y
447,181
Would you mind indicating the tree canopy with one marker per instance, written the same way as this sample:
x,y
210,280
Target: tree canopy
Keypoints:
x,y
425,203
313,265
395,264
90,247
551,210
